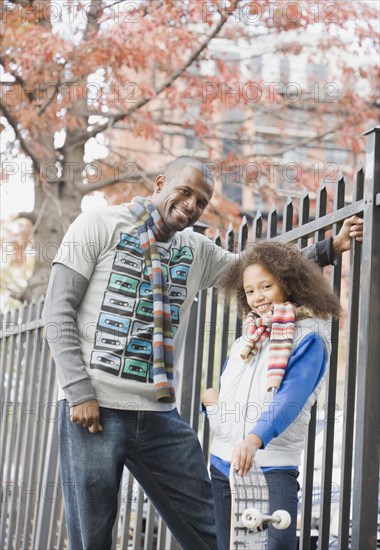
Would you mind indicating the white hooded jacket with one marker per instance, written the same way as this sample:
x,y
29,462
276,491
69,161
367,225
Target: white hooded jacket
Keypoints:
x,y
279,418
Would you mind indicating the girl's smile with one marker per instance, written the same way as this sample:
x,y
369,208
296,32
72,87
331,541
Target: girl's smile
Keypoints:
x,y
262,289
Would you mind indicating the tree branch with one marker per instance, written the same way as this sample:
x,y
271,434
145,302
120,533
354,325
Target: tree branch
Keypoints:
x,y
31,216
92,19
125,177
18,80
13,123
43,108
145,8
197,52
168,82
306,140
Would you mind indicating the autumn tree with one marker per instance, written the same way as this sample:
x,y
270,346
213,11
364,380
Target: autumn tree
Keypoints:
x,y
77,72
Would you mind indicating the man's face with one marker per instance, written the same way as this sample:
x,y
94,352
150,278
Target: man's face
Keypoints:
x,y
181,200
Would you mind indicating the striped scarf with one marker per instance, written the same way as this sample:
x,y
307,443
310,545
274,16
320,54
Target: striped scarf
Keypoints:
x,y
279,327
149,224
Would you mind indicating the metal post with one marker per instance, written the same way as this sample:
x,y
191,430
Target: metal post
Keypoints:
x,y
366,455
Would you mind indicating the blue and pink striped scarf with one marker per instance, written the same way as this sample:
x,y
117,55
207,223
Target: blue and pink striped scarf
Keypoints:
x,y
149,223
279,327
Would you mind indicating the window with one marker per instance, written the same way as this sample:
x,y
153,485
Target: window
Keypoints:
x,y
257,66
284,70
258,203
231,176
316,72
339,156
191,142
296,155
260,148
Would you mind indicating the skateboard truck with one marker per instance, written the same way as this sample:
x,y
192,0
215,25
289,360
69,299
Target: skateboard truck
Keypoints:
x,y
254,519
250,505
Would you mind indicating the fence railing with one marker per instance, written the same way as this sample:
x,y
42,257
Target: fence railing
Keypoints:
x,y
31,513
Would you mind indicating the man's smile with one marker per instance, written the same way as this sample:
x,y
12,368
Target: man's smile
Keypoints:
x,y
181,213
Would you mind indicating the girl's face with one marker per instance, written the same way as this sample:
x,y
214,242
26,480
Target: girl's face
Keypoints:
x,y
262,289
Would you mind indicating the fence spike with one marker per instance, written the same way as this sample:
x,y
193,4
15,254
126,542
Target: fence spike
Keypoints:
x,y
41,303
321,209
340,175
230,238
339,193
288,215
304,213
358,191
272,222
8,316
257,226
321,201
243,234
16,315
304,208
359,166
244,220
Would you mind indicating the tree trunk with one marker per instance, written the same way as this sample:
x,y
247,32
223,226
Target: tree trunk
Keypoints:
x,y
56,205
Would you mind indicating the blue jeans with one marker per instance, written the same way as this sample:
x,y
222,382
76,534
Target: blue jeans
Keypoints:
x,y
163,454
283,488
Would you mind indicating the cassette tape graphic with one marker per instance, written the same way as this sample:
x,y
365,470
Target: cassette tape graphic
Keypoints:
x,y
110,342
123,283
130,244
113,323
164,254
145,289
179,273
174,310
107,362
183,255
126,263
139,329
177,294
135,369
144,310
118,303
140,347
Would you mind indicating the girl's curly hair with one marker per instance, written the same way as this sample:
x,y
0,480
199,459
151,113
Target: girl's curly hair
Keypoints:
x,y
299,275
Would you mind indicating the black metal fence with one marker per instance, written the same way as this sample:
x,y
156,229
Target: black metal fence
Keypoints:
x,y
31,513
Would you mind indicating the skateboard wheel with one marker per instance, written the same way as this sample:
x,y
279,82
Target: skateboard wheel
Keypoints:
x,y
281,519
251,518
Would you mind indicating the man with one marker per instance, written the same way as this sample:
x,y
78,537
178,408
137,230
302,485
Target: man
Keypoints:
x,y
121,286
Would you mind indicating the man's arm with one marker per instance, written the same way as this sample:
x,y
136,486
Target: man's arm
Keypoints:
x,y
352,228
65,292
326,251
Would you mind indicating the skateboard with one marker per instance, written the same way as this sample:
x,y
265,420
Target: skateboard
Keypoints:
x,y
250,516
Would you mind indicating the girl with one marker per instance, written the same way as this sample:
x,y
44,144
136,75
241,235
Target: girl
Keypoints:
x,y
271,378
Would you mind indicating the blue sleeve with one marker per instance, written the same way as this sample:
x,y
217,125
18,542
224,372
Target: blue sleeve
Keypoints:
x,y
303,374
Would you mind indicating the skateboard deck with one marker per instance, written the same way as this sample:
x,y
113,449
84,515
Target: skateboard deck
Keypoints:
x,y
250,517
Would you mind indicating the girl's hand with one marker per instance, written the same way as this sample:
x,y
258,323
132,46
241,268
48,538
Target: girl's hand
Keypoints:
x,y
209,397
244,454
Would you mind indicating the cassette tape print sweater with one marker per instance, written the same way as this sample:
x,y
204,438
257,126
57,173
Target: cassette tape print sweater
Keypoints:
x,y
114,318
100,329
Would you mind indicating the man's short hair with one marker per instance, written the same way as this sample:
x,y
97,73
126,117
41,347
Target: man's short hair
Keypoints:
x,y
181,163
